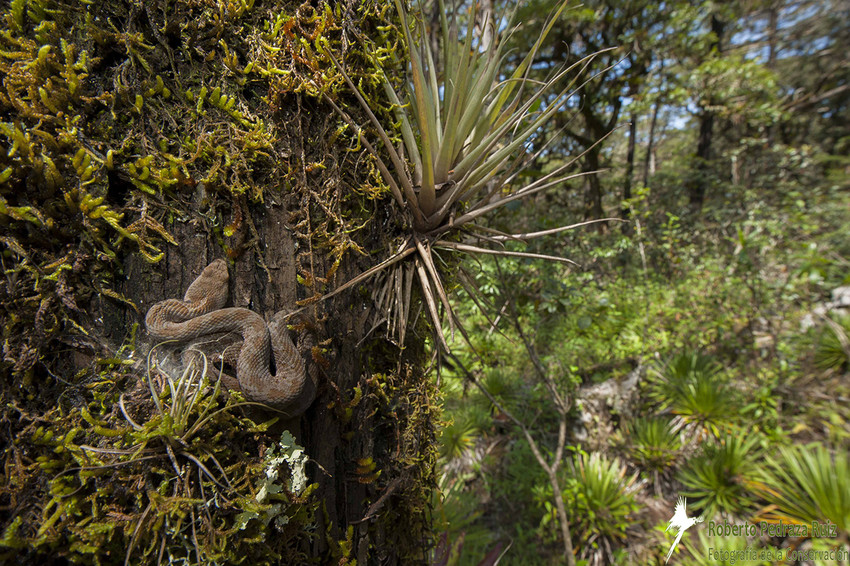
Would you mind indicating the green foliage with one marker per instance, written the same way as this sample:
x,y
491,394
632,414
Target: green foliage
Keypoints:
x,y
763,407
599,496
741,90
719,480
693,388
832,351
458,517
503,387
158,472
588,324
652,444
461,434
717,291
804,484
730,550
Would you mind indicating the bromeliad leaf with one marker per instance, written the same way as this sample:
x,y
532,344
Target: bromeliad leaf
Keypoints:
x,y
465,132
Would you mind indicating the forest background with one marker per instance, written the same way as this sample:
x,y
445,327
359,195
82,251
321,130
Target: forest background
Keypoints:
x,y
685,343
698,347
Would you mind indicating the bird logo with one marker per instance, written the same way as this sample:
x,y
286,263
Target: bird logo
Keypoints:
x,y
681,522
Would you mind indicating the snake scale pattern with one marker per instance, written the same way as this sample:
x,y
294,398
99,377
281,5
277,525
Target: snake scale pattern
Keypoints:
x,y
290,389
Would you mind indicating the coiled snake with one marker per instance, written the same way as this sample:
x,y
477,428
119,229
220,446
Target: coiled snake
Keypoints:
x,y
290,389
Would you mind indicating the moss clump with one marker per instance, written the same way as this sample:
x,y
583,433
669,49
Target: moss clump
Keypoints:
x,y
166,472
404,409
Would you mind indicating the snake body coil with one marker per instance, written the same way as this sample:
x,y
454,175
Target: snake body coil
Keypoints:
x,y
291,388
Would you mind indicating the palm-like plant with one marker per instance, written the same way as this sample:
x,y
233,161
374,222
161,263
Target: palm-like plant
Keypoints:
x,y
459,436
671,378
833,347
652,444
720,478
601,497
692,387
505,387
806,484
465,138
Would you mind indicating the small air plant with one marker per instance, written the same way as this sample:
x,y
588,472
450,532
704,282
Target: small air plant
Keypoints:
x,y
466,133
183,407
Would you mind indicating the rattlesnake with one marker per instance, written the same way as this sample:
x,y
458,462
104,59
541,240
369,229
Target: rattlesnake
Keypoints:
x,y
291,389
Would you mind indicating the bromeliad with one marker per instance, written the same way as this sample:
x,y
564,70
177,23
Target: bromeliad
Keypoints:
x,y
466,135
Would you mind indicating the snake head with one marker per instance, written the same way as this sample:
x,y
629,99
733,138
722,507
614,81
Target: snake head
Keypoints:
x,y
211,285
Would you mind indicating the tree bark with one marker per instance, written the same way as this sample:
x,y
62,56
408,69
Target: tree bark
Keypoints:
x,y
264,277
772,36
630,166
593,196
650,143
700,180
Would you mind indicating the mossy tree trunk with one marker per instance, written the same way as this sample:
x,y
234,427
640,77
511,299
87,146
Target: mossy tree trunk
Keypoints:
x,y
265,277
201,124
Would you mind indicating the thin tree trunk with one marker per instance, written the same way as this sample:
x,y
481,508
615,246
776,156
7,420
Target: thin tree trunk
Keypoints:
x,y
772,43
772,36
700,178
551,470
699,181
562,406
593,196
650,144
562,514
630,167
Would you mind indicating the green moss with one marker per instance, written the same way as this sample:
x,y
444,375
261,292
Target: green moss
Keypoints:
x,y
143,474
117,119
116,116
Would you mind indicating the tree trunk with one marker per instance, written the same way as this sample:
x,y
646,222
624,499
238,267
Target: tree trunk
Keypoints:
x,y
772,36
593,196
700,177
699,181
630,166
650,144
199,140
275,252
772,50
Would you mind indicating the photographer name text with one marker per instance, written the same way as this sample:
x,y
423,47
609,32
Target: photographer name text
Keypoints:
x,y
780,529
